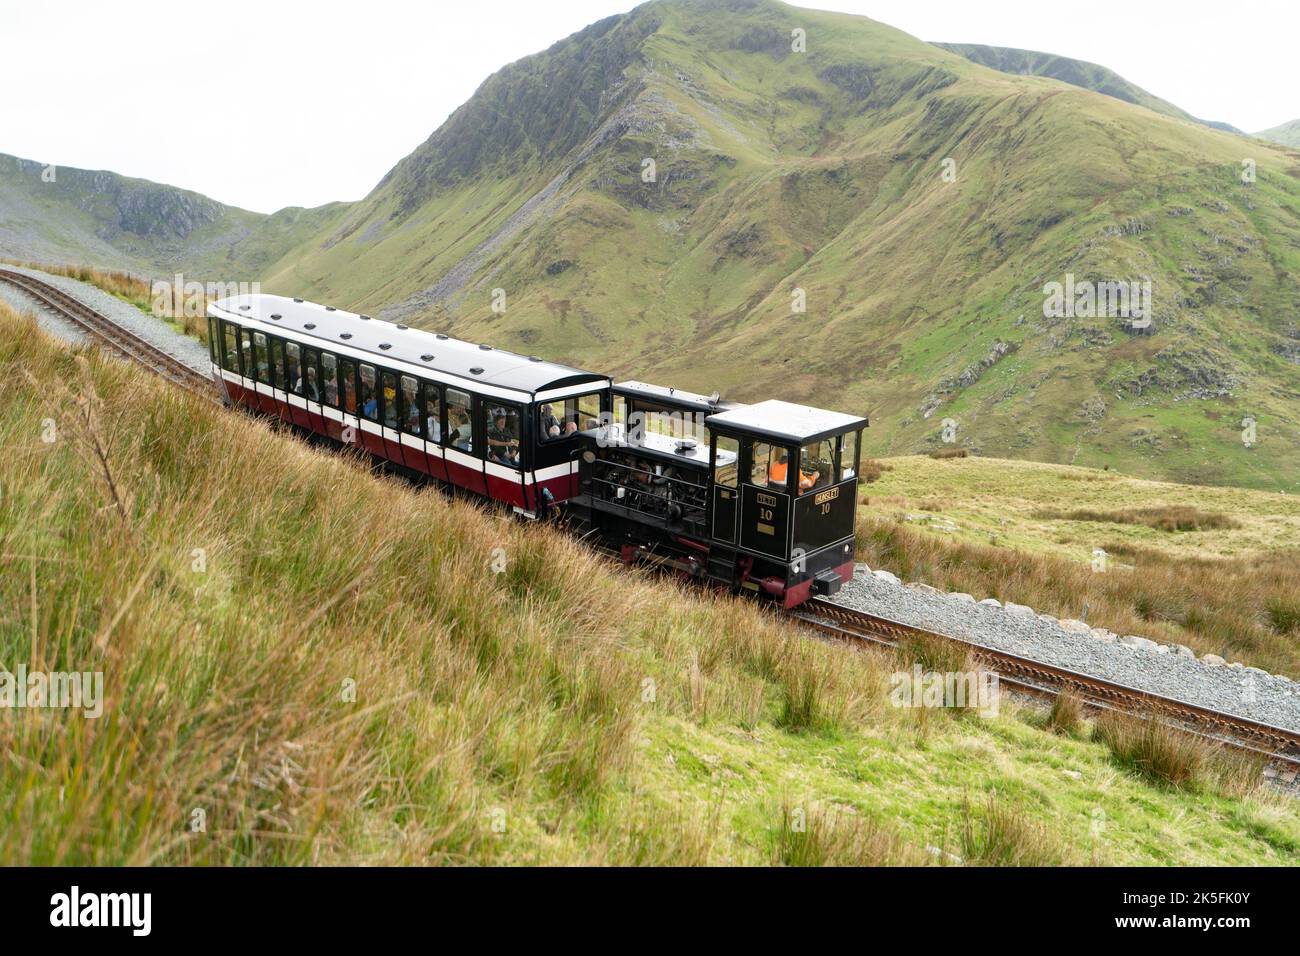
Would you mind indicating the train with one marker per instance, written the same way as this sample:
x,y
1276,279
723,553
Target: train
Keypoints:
x,y
758,498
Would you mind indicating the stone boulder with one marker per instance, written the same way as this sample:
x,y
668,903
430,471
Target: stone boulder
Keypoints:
x,y
1139,643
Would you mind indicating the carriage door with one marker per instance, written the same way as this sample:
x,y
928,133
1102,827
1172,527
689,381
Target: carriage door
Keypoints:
x,y
726,454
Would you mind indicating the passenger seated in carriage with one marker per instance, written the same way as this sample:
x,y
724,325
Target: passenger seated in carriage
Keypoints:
x,y
550,422
503,446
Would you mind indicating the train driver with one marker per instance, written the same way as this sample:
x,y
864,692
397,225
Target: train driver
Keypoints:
x,y
777,472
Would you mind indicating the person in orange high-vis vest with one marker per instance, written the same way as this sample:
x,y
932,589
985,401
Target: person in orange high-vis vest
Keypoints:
x,y
777,472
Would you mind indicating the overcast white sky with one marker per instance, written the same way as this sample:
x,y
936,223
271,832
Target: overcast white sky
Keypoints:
x,y
271,103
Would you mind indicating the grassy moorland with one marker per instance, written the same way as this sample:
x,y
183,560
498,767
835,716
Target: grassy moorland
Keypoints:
x,y
324,663
1215,568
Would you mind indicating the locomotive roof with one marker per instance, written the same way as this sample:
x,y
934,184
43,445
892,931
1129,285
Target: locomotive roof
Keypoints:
x,y
675,396
786,422
387,341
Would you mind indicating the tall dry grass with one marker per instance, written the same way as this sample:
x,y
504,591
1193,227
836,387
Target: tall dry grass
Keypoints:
x,y
1001,833
822,836
1174,758
1162,518
305,664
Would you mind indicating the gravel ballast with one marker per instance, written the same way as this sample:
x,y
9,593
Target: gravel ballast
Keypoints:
x,y
153,330
1142,664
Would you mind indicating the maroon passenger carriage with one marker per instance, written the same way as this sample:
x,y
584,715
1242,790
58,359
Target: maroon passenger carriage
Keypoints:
x,y
477,418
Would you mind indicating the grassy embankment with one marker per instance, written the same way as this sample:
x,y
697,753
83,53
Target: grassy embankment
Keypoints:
x,y
560,711
1217,569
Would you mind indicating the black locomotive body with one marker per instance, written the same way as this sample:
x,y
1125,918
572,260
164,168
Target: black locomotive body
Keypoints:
x,y
751,497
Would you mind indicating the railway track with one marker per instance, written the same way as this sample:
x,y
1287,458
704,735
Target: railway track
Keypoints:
x,y
1020,674
114,337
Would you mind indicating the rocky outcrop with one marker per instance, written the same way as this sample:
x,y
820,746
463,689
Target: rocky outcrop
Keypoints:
x,y
968,376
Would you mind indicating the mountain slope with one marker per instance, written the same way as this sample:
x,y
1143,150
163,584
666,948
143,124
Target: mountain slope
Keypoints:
x,y
98,218
1089,76
780,174
1288,134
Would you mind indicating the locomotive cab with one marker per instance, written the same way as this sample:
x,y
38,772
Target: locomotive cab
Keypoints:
x,y
784,496
750,497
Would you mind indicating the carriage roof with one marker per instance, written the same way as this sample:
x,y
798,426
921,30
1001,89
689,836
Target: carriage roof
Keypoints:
x,y
387,341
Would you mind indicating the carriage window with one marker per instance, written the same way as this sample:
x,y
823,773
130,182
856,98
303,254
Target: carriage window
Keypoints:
x,y
292,368
231,363
816,465
263,361
768,465
432,412
410,407
348,385
246,353
849,455
369,403
588,411
390,399
565,417
277,361
329,379
460,431
651,418
311,375
212,340
501,424
725,460
550,421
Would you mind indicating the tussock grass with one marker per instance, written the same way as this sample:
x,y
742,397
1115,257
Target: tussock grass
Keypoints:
x,y
1174,758
1157,751
1003,833
1163,518
1066,715
944,453
821,836
871,470
934,653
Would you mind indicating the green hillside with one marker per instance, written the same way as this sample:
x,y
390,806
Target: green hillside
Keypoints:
x,y
64,215
822,171
1288,134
